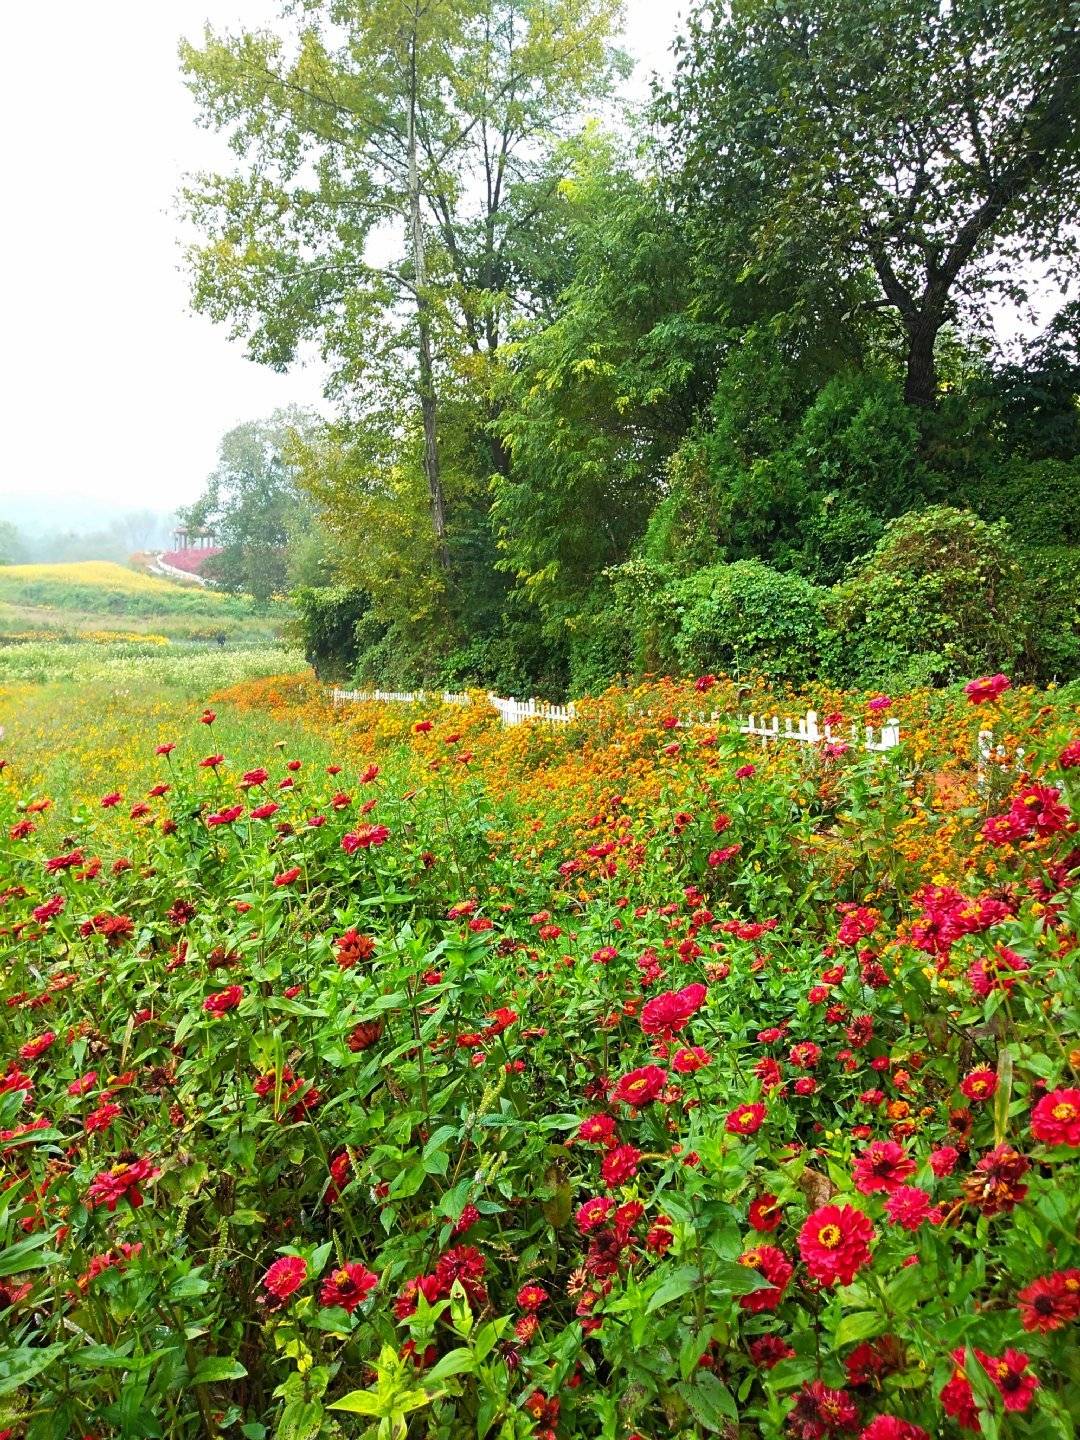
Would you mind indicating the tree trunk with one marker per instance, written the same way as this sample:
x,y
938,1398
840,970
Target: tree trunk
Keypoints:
x,y
920,383
428,407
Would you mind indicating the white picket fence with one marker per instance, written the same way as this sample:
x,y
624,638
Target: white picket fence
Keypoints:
x,y
807,729
512,711
515,712
994,758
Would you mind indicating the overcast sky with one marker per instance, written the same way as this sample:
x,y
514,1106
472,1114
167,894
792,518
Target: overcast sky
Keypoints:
x,y
110,389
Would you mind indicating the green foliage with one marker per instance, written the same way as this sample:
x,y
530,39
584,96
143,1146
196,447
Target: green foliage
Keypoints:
x,y
604,637
1054,604
615,371
799,476
326,624
941,596
252,505
594,402
1040,499
744,618
12,546
933,148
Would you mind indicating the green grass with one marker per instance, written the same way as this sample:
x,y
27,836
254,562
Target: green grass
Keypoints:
x,y
190,670
95,597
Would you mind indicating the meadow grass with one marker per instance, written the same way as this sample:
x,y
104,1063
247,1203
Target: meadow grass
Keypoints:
x,y
85,718
91,598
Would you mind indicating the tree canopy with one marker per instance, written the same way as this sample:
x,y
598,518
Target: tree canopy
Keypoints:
x,y
616,391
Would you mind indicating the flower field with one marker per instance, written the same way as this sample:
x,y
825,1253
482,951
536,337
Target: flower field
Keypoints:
x,y
387,1072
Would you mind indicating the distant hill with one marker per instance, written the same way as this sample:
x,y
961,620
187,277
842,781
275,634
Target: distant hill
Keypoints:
x,y
97,599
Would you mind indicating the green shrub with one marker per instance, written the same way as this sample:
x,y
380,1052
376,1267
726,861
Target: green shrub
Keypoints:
x,y
516,661
601,638
941,596
1054,636
1040,499
325,624
745,617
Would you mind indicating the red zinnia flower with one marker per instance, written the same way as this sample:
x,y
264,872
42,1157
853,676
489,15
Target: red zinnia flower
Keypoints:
x,y
888,1427
597,1129
909,1206
1051,1301
346,1286
121,1182
288,877
987,687
1010,1374
994,1185
765,1214
943,1160
835,1243
883,1165
806,1054
771,1263
224,817
285,1276
366,837
35,1048
531,1297
819,1411
690,1060
1039,808
223,1000
979,1085
620,1165
594,1212
957,1397
667,1013
640,1087
745,1119
1056,1118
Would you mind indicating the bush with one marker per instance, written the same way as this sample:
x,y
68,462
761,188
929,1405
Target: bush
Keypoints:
x,y
1054,636
325,624
602,637
941,596
742,617
1040,499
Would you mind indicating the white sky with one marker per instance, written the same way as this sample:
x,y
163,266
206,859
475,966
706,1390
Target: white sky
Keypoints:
x,y
111,390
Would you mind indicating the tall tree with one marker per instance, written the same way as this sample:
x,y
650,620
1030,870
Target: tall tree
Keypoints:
x,y
251,503
933,143
395,187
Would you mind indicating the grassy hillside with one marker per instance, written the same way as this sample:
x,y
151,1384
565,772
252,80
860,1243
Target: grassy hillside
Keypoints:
x,y
99,600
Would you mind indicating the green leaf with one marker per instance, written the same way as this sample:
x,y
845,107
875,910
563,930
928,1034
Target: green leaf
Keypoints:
x,y
674,1287
187,1287
710,1401
20,1365
454,1362
217,1367
360,1402
858,1326
440,1137
454,1201
21,1257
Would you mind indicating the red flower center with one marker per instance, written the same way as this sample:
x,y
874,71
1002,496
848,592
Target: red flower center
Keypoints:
x,y
829,1236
